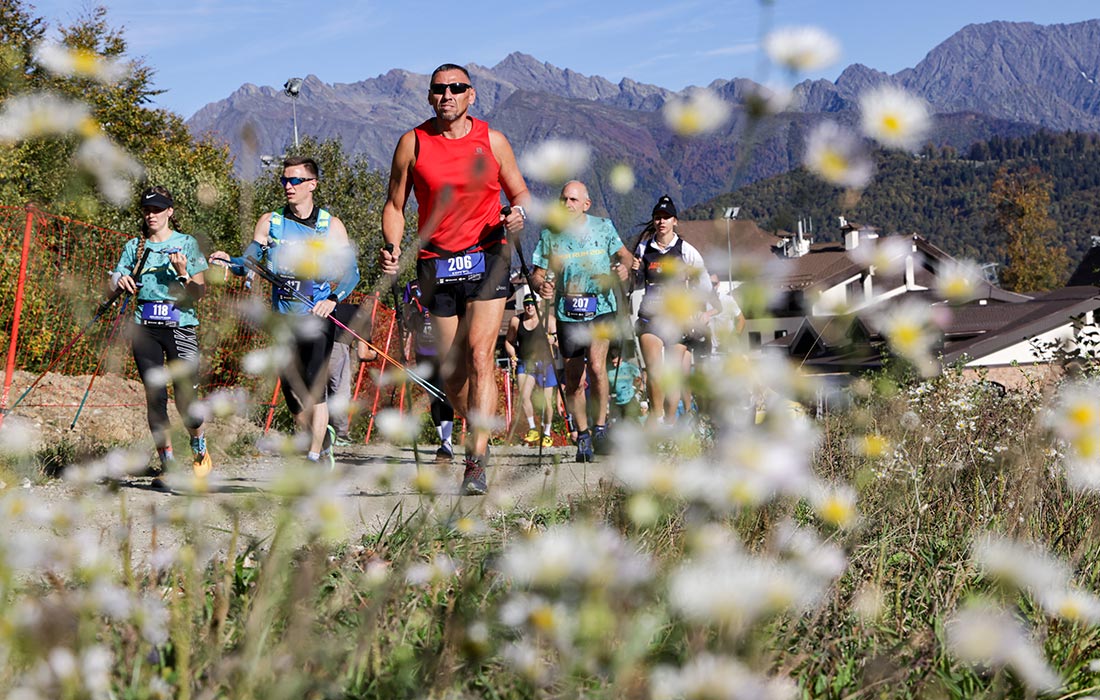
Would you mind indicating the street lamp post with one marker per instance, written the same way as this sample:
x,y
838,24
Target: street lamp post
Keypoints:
x,y
729,215
293,88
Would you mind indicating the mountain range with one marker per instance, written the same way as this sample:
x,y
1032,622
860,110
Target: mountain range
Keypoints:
x,y
998,78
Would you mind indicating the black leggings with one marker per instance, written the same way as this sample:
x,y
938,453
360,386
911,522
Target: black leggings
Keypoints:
x,y
440,408
304,381
155,347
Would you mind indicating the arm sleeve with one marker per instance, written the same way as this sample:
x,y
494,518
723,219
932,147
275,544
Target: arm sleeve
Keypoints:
x,y
347,284
254,252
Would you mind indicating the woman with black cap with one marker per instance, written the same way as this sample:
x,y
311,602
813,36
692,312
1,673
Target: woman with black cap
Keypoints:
x,y
534,367
165,342
665,261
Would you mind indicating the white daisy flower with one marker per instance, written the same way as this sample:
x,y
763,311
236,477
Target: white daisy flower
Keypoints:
x,y
113,168
700,112
985,636
837,156
80,63
43,114
718,678
621,178
802,49
556,161
894,117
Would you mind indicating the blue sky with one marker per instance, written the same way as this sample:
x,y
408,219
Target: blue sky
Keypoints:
x,y
203,50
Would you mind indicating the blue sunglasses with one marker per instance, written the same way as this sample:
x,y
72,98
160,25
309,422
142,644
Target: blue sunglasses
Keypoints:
x,y
294,180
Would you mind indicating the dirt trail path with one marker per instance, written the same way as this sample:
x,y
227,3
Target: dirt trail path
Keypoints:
x,y
368,484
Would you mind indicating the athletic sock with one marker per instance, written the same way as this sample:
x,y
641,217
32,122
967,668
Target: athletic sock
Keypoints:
x,y
198,444
313,456
445,428
166,456
530,422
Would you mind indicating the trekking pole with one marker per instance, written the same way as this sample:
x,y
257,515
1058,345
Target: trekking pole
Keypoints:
x,y
570,423
279,282
102,357
403,333
102,309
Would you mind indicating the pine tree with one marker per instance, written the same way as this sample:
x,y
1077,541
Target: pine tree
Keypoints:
x,y
1021,218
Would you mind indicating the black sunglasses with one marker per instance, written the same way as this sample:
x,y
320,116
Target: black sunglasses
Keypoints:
x,y
294,180
456,88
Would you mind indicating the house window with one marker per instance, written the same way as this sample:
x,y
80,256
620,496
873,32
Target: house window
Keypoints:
x,y
779,334
754,339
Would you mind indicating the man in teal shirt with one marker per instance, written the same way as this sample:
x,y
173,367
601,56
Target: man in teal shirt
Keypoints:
x,y
586,256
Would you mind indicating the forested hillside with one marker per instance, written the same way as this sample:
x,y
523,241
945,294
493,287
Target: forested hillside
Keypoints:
x,y
941,194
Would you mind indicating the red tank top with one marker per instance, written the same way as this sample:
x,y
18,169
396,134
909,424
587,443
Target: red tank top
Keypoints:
x,y
457,186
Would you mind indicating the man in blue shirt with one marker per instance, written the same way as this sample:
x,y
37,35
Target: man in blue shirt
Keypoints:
x,y
308,248
588,261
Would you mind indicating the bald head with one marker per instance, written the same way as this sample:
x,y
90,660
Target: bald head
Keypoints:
x,y
574,197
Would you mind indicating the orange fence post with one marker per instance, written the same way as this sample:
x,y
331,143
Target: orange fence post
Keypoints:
x,y
271,406
378,389
9,368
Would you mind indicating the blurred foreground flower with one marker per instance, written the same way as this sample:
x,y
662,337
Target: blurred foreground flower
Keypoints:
x,y
1075,418
959,281
731,590
700,112
801,49
575,554
837,156
1024,565
709,677
886,256
556,161
314,258
44,114
80,63
767,100
621,178
894,117
909,331
981,635
113,168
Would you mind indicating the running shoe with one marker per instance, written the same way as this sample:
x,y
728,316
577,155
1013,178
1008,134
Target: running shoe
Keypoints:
x,y
584,448
445,454
473,479
547,442
342,441
202,466
532,438
601,443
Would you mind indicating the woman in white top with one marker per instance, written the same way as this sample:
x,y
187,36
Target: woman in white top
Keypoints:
x,y
664,262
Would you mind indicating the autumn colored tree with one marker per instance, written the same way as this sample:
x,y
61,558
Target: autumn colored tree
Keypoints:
x,y
1034,262
41,169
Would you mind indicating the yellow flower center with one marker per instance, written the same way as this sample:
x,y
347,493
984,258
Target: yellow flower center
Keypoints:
x,y
891,124
85,62
833,164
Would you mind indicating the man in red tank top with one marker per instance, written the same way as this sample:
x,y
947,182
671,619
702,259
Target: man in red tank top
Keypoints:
x,y
457,166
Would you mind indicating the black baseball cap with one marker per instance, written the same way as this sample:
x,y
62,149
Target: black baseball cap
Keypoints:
x,y
157,200
530,298
665,205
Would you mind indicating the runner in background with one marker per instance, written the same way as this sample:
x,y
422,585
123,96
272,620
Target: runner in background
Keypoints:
x,y
165,331
341,367
534,367
309,248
